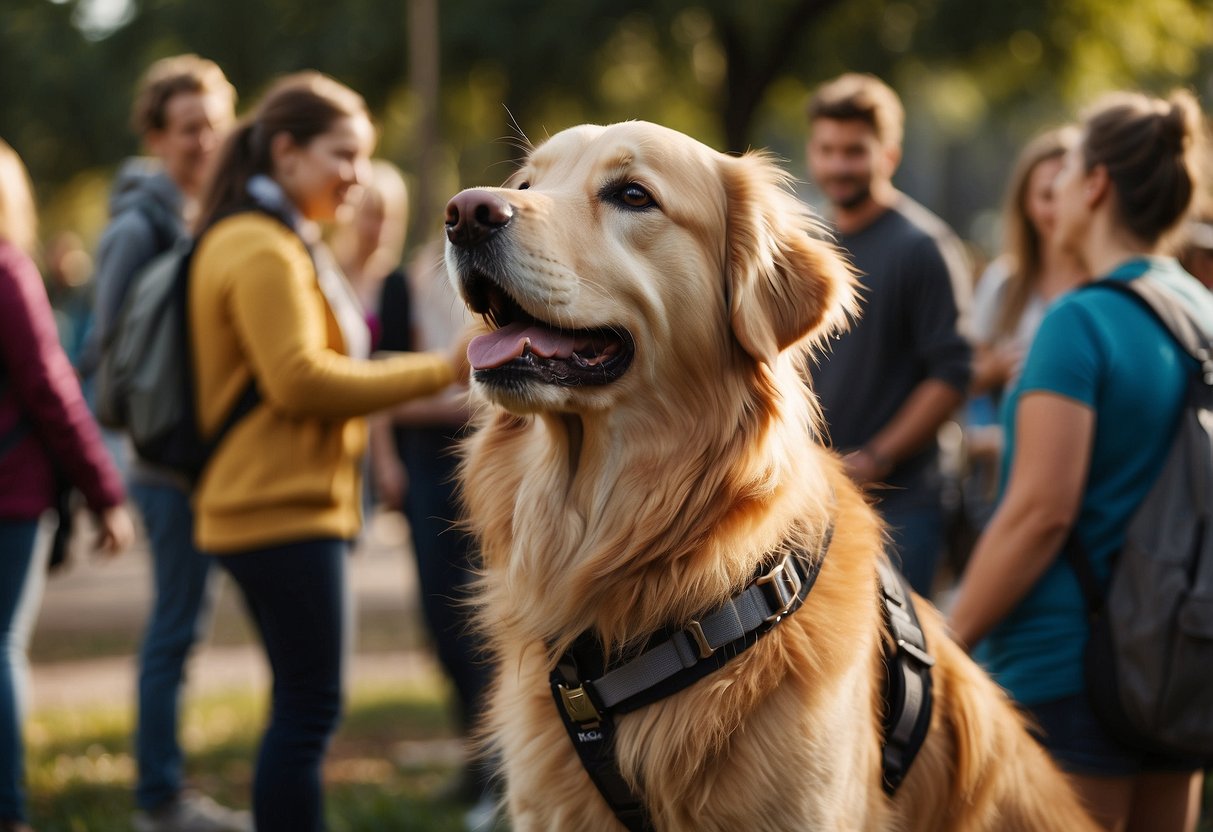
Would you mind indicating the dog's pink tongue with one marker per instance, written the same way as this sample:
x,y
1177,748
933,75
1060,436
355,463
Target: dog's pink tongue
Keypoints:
x,y
504,345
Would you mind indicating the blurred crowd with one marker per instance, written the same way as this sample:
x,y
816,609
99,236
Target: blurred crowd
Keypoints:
x,y
991,409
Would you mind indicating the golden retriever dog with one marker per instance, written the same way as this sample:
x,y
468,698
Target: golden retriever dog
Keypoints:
x,y
647,443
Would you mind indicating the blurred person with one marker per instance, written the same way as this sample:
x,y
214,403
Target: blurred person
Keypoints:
x,y
413,447
1088,425
420,311
888,384
183,107
279,501
369,244
1011,297
44,425
70,289
1033,270
1196,250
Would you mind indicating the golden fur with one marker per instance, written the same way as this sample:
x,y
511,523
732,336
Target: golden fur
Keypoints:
x,y
627,507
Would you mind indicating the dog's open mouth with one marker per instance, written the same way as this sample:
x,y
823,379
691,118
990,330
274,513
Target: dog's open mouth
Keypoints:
x,y
521,344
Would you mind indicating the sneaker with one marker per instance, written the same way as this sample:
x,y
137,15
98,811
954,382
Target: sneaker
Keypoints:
x,y
191,812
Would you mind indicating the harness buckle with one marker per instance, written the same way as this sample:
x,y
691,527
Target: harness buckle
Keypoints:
x,y
578,706
695,631
785,583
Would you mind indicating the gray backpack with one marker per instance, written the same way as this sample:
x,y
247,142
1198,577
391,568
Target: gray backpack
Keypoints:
x,y
115,374
138,358
145,381
1149,662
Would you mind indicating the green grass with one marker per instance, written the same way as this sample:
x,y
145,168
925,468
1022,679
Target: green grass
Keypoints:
x,y
81,773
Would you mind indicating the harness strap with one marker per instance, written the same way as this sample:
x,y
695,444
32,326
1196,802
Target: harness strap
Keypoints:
x,y
593,736
708,643
588,695
907,690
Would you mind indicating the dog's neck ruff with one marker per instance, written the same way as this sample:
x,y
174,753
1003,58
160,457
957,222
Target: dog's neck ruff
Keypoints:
x,y
674,658
590,692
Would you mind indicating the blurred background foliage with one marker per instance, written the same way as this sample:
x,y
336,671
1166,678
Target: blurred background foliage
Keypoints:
x,y
456,86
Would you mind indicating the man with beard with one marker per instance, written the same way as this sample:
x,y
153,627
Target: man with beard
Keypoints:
x,y
888,384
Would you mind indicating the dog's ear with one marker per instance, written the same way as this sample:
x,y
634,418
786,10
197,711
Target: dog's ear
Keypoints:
x,y
785,282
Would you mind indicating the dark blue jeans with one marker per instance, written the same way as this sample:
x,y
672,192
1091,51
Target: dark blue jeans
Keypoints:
x,y
296,595
24,548
445,565
181,611
917,541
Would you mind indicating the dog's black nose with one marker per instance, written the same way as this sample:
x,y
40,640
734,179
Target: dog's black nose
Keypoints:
x,y
473,216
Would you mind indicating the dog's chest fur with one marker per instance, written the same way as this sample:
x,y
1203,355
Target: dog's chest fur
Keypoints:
x,y
717,755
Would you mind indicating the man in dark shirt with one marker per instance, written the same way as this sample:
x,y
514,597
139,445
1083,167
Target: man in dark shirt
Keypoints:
x,y
888,384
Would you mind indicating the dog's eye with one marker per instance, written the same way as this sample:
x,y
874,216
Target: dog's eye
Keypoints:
x,y
523,186
634,196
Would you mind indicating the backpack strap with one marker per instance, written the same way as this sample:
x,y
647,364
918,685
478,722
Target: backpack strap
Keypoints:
x,y
589,695
908,695
1170,311
250,397
590,692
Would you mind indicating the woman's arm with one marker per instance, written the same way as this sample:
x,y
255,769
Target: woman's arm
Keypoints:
x,y
283,329
1053,437
46,385
994,367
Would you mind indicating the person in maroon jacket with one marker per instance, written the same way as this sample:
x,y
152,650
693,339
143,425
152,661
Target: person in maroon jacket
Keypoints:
x,y
45,427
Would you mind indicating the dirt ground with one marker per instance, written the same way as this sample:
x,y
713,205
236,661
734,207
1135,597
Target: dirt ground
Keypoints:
x,y
87,635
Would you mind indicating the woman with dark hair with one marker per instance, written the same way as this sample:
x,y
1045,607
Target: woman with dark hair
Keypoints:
x,y
44,426
1087,426
280,499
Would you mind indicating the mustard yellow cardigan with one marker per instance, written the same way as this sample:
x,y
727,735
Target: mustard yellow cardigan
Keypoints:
x,y
290,470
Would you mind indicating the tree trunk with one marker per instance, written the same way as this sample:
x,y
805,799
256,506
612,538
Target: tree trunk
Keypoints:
x,y
424,81
748,76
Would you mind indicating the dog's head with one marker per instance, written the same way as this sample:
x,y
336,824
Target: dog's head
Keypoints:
x,y
632,258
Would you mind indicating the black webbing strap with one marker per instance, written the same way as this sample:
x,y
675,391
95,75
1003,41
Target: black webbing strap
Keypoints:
x,y
589,721
907,689
592,733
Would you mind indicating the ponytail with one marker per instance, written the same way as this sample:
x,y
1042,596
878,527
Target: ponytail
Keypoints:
x,y
245,153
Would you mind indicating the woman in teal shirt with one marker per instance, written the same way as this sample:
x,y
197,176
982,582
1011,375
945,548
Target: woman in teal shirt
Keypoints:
x,y
1088,425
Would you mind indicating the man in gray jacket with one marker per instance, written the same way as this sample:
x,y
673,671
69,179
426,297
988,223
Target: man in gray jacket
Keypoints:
x,y
182,111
